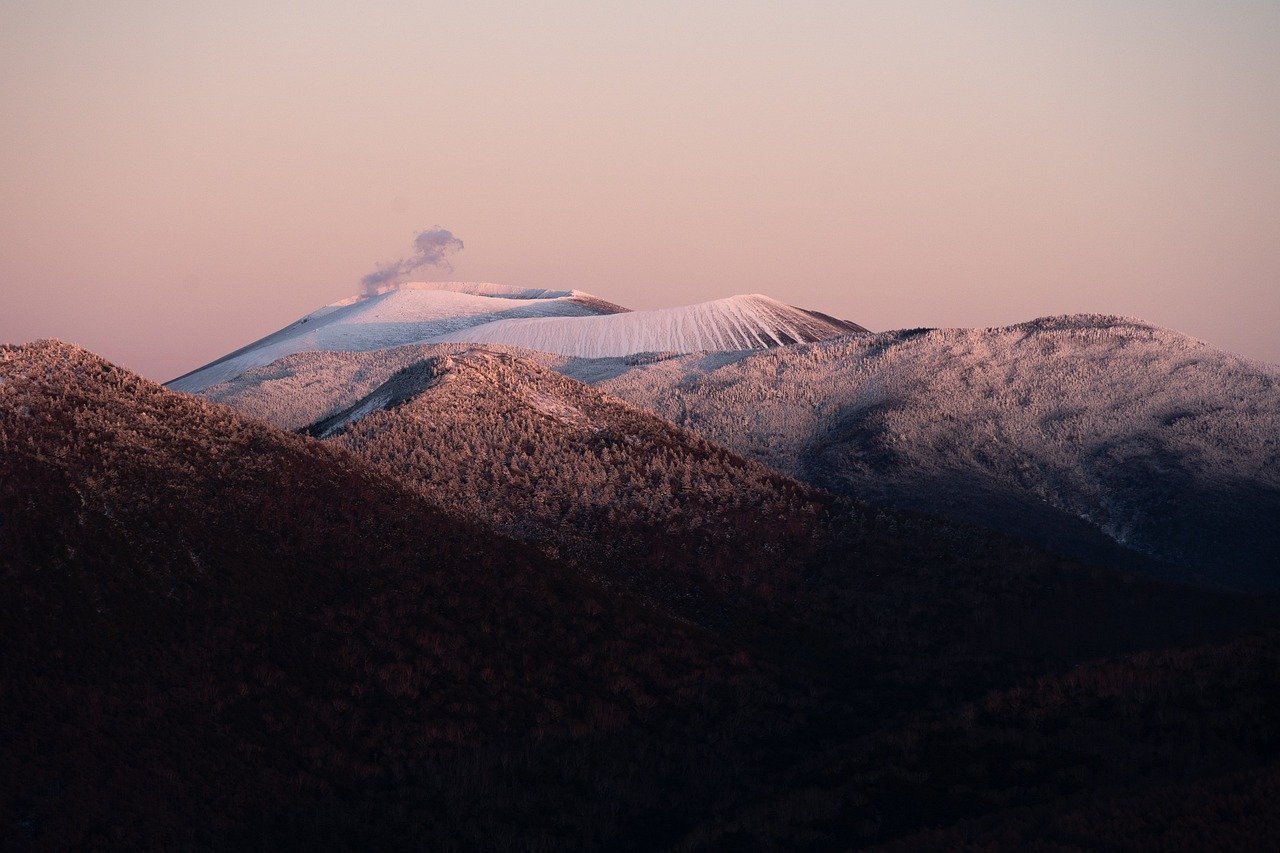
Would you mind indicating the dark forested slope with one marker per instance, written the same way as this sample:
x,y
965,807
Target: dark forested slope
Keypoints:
x,y
219,634
212,626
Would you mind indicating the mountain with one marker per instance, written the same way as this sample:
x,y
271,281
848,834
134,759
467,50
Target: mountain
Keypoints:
x,y
220,635
724,325
408,313
1055,430
568,322
648,508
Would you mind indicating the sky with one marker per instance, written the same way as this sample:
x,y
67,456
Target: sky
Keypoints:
x,y
177,179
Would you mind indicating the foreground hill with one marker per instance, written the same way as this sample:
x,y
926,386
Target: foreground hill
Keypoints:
x,y
214,628
1061,431
222,635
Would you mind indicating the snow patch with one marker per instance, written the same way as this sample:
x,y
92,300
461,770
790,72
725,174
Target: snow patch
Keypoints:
x,y
371,404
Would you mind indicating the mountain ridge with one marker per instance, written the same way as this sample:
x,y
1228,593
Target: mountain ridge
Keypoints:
x,y
734,323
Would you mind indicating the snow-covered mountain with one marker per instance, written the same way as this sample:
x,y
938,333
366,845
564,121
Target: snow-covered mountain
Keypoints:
x,y
556,463
419,311
737,323
566,322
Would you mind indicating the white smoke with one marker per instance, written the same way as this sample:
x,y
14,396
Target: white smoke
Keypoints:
x,y
432,248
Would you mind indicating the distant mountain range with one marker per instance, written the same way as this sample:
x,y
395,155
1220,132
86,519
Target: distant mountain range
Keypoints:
x,y
1102,438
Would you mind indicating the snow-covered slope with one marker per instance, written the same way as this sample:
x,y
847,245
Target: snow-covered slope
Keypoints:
x,y
736,323
1165,444
409,313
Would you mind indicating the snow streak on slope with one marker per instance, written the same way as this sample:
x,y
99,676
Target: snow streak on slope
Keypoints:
x,y
736,323
408,314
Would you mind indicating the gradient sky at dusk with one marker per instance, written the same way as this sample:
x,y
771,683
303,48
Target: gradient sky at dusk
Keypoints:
x,y
177,179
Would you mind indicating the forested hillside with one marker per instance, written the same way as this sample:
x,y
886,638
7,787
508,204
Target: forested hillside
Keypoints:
x,y
618,492
219,634
215,630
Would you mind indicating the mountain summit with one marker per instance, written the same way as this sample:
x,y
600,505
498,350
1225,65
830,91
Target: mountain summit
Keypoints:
x,y
566,322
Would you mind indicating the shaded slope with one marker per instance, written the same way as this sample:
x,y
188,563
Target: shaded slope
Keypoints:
x,y
1171,750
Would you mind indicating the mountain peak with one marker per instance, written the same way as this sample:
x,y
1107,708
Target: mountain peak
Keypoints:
x,y
565,322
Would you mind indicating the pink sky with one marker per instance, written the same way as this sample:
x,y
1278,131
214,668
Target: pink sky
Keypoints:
x,y
176,182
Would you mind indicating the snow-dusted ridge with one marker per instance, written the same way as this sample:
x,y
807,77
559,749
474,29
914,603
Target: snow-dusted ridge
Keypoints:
x,y
1164,444
746,322
563,322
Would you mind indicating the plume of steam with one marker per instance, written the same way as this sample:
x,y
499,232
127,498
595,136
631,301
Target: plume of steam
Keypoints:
x,y
431,248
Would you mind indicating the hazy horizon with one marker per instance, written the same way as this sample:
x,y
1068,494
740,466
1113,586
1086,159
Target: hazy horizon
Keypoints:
x,y
176,182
